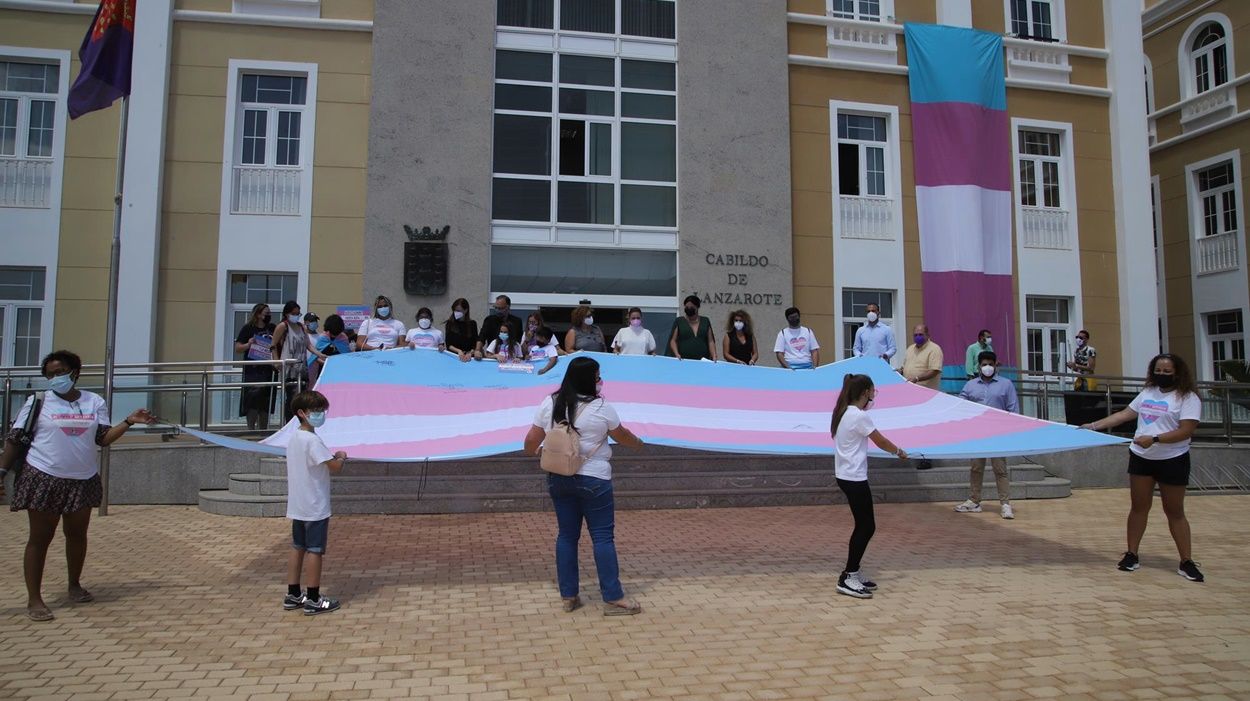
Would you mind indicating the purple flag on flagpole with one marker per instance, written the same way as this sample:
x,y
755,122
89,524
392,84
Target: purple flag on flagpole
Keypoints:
x,y
105,55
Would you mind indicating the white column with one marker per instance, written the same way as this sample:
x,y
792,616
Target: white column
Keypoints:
x,y
1130,174
145,161
956,13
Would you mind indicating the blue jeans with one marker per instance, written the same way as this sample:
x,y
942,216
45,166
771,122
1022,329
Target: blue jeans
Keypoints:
x,y
579,498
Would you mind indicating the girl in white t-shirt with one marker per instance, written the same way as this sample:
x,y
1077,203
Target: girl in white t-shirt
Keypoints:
x,y
425,336
380,331
851,429
1167,411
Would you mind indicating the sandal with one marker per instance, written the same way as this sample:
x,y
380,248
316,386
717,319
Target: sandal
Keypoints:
x,y
40,615
81,596
571,603
624,607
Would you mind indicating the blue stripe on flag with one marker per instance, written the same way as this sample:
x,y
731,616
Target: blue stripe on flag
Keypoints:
x,y
955,64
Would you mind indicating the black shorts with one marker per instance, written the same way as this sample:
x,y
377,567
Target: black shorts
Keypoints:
x,y
310,536
1173,471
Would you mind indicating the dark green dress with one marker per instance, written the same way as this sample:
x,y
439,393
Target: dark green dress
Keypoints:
x,y
689,345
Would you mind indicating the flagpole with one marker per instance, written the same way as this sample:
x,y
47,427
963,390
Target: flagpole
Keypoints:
x,y
110,334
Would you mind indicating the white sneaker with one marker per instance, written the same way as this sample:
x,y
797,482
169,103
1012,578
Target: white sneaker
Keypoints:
x,y
969,507
1007,512
850,585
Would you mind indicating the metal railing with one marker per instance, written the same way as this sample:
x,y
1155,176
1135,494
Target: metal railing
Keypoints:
x,y
25,182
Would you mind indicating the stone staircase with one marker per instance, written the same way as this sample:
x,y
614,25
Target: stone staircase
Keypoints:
x,y
655,478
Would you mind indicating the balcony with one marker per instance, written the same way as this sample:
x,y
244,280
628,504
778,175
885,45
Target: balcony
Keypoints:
x,y
260,190
25,182
1208,107
867,218
1217,254
1043,227
1037,60
859,40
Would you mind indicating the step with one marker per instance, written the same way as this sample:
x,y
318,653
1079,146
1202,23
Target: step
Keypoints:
x,y
227,503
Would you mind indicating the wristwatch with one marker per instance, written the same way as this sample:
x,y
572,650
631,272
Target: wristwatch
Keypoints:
x,y
1154,439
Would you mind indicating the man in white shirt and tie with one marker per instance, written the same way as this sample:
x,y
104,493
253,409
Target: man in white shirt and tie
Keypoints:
x,y
874,339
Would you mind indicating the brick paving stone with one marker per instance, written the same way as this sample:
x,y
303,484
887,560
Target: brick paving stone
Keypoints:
x,y
738,604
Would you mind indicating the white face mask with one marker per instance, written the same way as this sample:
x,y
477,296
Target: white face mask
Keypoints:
x,y
989,340
988,370
739,325
1080,342
458,315
590,321
871,316
293,318
384,312
423,323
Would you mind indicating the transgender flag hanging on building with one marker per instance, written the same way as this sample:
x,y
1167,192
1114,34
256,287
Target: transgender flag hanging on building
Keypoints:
x,y
961,143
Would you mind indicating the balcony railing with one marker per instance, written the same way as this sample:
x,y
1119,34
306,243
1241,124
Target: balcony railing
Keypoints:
x,y
1218,253
25,182
1208,106
1043,227
260,190
867,218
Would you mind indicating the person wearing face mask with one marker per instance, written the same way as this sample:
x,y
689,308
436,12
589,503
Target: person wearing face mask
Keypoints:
x,y
533,322
584,335
634,339
922,362
382,330
294,345
874,339
1167,411
460,330
851,429
691,337
255,343
59,479
425,336
332,340
505,348
541,350
998,393
1084,362
796,345
972,363
739,344
501,317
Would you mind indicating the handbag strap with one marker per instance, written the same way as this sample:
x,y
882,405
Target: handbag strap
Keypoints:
x,y
32,419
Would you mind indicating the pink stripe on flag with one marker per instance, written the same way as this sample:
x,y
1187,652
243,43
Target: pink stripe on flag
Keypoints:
x,y
958,304
960,143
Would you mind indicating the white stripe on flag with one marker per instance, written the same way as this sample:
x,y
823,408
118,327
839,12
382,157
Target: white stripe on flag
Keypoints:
x,y
964,227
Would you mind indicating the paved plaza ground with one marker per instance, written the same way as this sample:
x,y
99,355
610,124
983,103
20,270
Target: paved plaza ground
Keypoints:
x,y
738,604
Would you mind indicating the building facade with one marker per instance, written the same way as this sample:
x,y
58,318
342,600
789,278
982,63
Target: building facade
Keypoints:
x,y
1199,145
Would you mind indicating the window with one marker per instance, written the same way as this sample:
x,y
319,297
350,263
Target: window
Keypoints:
x,y
1039,168
861,155
862,10
1209,56
1033,19
22,293
644,18
28,93
1046,332
1217,189
557,131
854,313
268,157
249,289
1227,340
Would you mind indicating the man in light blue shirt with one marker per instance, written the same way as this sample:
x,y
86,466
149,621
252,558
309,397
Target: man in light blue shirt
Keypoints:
x,y
874,339
999,393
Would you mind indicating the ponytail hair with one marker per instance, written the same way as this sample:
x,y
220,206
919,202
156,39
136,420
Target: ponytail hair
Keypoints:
x,y
853,387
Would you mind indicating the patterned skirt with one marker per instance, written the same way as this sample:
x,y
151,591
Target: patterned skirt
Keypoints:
x,y
36,490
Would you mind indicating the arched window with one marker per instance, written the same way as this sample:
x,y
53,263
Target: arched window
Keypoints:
x,y
1208,54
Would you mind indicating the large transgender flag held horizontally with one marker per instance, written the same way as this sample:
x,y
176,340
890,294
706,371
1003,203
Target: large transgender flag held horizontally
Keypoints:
x,y
406,405
962,140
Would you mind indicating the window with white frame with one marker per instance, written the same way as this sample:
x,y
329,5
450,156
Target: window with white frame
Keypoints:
x,y
1217,190
862,10
854,313
865,170
1040,163
1208,55
643,18
28,92
1226,339
268,169
1046,331
22,292
1034,19
246,289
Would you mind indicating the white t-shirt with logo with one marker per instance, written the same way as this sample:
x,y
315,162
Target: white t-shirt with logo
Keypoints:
x,y
64,444
425,338
1159,412
543,353
797,344
850,445
593,420
307,477
381,332
633,341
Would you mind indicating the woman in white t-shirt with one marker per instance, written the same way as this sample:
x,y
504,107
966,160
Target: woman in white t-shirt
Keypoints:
x,y
380,331
634,339
425,336
60,478
1167,411
851,428
586,496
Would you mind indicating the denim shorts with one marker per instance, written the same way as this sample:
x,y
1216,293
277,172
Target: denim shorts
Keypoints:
x,y
310,536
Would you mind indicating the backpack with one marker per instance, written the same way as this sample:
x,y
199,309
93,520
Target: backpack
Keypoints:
x,y
562,449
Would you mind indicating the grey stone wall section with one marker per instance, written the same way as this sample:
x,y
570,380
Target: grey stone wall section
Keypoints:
x,y
430,145
734,158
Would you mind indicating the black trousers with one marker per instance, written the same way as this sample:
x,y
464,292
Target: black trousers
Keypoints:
x,y
859,498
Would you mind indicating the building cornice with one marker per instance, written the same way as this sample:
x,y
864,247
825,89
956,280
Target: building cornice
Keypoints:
x,y
1175,20
1232,84
342,25
1232,119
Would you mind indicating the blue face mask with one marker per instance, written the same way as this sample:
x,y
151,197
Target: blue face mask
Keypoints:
x,y
316,418
61,384
312,326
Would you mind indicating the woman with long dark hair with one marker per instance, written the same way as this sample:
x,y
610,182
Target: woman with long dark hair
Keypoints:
x,y
255,342
1167,411
851,429
293,343
587,495
739,344
460,330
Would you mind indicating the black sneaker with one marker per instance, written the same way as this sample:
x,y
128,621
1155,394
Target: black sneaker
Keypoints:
x,y
1129,562
294,601
850,585
1189,570
323,605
